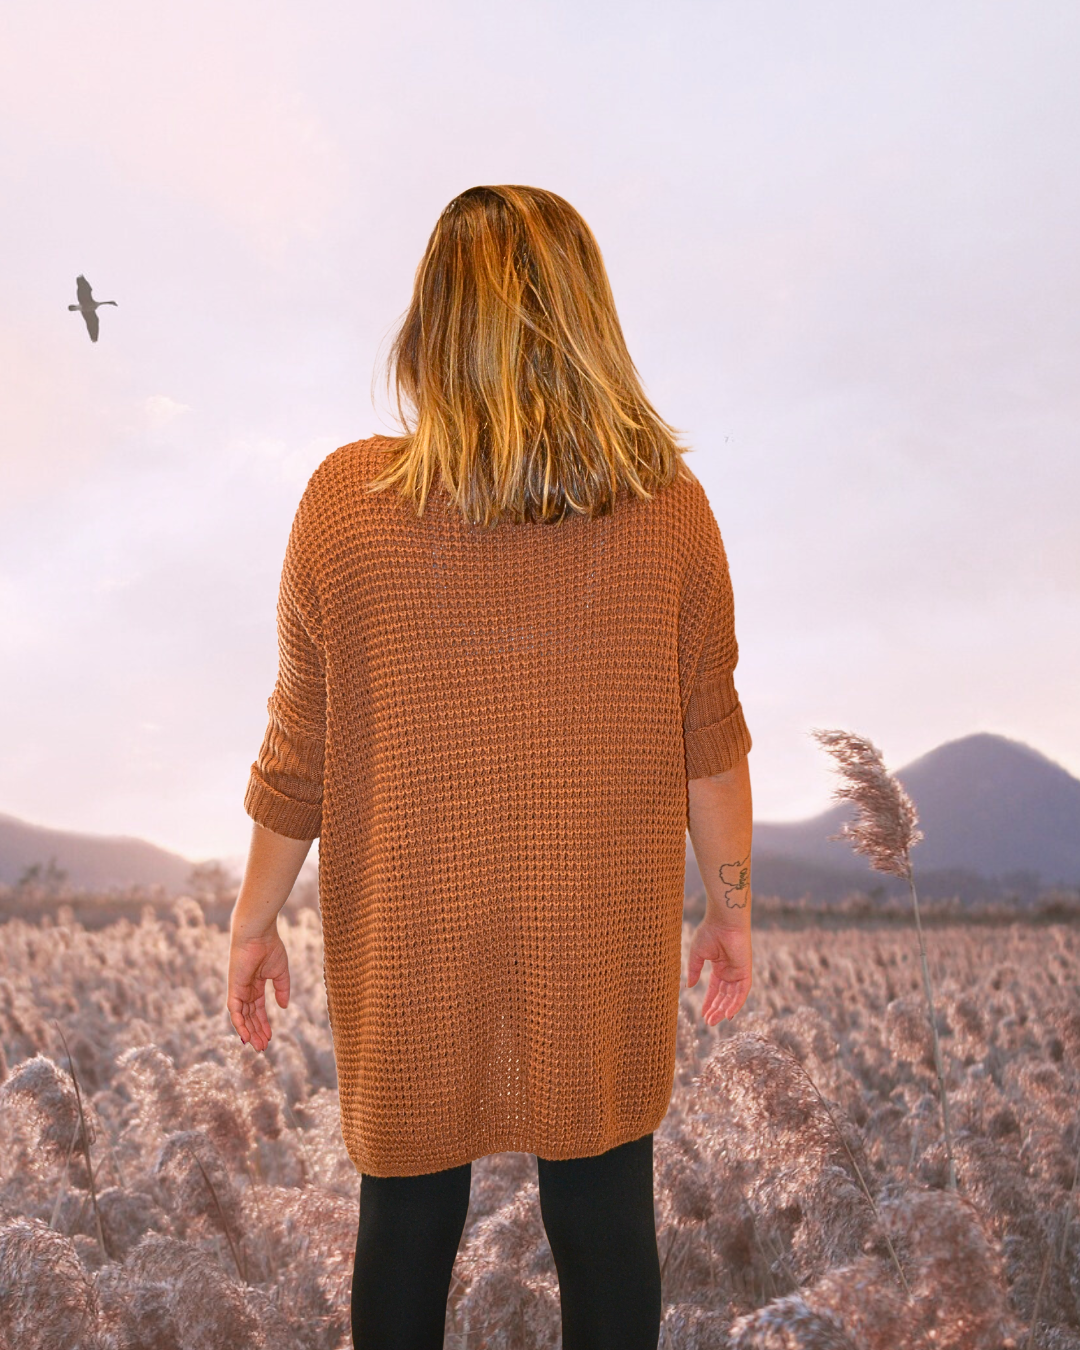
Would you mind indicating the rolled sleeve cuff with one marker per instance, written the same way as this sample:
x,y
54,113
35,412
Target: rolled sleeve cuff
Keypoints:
x,y
281,814
715,731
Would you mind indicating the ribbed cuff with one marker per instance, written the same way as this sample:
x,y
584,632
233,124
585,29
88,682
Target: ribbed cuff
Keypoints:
x,y
717,747
284,815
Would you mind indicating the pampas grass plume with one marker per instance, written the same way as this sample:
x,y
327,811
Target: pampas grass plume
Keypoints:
x,y
884,830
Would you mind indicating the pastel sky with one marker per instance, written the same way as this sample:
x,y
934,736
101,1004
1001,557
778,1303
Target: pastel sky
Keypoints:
x,y
843,242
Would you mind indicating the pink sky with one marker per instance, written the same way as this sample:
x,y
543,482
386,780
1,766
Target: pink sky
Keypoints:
x,y
842,239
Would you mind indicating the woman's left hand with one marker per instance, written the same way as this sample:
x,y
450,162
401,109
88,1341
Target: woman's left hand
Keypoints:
x,y
253,961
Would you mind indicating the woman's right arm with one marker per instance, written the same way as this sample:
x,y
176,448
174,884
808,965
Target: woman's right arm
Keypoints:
x,y
721,829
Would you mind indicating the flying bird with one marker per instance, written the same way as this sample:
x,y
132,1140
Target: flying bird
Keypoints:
x,y
88,306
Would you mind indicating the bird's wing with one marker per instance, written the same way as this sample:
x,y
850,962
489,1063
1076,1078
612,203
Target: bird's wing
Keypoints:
x,y
91,318
82,290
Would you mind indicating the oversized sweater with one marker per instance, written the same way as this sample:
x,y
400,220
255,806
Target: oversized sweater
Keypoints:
x,y
490,730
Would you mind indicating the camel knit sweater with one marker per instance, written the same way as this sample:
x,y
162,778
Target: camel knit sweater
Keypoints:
x,y
491,731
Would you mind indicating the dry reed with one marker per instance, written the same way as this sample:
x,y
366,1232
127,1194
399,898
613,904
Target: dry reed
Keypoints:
x,y
885,830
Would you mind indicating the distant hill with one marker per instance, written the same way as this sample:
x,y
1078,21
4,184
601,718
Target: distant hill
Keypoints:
x,y
91,861
998,817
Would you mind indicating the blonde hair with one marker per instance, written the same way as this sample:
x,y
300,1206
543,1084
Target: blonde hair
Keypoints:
x,y
523,394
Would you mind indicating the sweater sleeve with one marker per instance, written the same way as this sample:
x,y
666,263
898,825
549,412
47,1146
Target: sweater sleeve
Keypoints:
x,y
285,786
715,733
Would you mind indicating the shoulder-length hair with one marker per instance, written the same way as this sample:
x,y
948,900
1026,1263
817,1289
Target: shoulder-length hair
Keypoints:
x,y
511,374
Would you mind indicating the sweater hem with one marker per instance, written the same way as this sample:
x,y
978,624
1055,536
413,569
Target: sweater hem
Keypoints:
x,y
472,1154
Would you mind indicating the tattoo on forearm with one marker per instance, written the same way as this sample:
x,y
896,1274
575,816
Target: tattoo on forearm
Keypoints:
x,y
735,878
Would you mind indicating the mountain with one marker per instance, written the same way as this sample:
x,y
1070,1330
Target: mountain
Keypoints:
x,y
995,814
998,818
91,861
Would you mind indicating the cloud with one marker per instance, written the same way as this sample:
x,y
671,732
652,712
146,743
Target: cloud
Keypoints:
x,y
161,410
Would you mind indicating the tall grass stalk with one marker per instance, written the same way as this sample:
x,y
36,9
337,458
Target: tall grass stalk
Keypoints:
x,y
939,1068
86,1145
884,830
241,1271
262,1223
858,1171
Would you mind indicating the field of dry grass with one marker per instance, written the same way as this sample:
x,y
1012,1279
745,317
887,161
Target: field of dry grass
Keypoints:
x,y
208,1201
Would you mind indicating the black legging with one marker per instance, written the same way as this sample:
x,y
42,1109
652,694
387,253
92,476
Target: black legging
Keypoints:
x,y
598,1215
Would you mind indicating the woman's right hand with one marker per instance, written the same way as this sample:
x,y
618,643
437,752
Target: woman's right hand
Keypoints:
x,y
729,950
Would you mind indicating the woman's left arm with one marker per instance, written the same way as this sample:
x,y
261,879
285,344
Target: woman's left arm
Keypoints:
x,y
284,794
256,952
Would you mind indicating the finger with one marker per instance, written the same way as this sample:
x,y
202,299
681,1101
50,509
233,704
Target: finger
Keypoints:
x,y
713,996
722,1002
244,1011
258,1034
245,1007
261,1019
281,988
709,1007
238,1025
736,997
253,1001
235,1006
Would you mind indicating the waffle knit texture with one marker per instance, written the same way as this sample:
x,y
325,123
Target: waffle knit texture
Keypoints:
x,y
491,732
